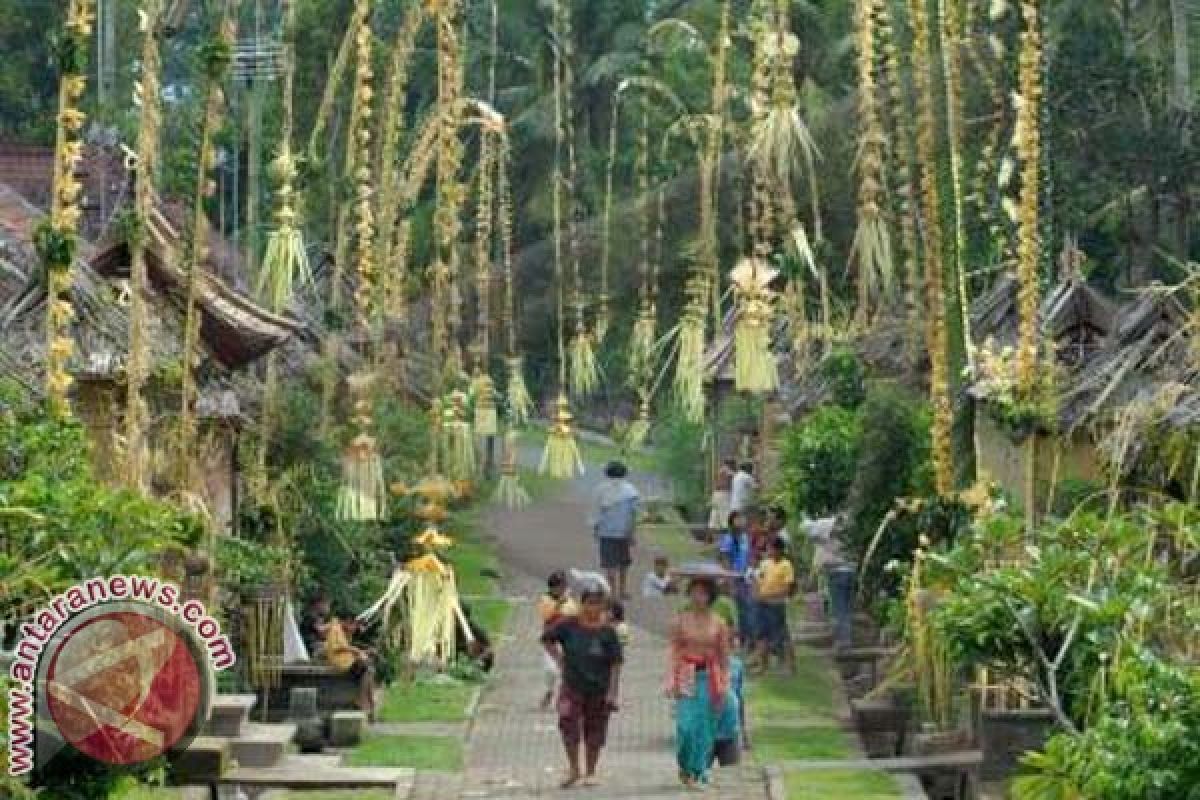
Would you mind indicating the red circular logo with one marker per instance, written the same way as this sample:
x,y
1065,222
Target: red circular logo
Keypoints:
x,y
124,686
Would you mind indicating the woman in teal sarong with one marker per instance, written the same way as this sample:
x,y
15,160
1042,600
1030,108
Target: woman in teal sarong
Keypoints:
x,y
698,680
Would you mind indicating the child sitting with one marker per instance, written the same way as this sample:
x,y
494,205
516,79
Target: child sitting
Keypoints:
x,y
659,582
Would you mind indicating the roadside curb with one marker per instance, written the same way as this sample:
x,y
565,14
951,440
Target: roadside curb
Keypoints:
x,y
776,785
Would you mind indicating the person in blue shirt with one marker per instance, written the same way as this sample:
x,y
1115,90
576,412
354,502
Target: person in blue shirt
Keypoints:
x,y
614,523
734,550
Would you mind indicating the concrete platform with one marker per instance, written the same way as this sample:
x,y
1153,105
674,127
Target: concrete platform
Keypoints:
x,y
230,712
308,773
261,745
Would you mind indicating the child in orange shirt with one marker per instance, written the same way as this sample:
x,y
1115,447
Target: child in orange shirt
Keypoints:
x,y
555,605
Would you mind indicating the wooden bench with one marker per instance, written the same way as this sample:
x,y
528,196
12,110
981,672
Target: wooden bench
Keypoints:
x,y
963,764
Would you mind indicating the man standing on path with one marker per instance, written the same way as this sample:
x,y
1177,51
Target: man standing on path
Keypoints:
x,y
744,488
614,519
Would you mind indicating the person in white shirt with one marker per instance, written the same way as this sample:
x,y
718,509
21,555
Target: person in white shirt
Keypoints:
x,y
659,582
744,488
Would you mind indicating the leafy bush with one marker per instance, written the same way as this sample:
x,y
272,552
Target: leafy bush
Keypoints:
x,y
1102,632
679,455
1144,746
893,462
819,455
846,378
60,523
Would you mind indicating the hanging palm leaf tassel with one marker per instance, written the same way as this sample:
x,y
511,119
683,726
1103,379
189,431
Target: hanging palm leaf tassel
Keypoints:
x,y
561,458
509,492
458,444
483,395
584,372
641,345
639,429
362,495
689,367
520,402
754,363
285,263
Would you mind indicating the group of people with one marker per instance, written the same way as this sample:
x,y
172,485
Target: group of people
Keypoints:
x,y
330,637
584,640
741,609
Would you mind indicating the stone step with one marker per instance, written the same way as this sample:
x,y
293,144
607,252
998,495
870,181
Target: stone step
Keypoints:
x,y
261,745
206,759
229,714
308,773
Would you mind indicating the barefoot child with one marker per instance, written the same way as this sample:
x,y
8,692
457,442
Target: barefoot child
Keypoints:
x,y
588,653
554,606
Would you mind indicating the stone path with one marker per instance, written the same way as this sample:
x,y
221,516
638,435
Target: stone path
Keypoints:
x,y
513,748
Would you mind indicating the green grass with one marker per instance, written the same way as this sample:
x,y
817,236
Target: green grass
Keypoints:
x,y
539,486
147,793
783,698
594,453
841,783
473,558
674,541
436,753
492,614
773,745
423,700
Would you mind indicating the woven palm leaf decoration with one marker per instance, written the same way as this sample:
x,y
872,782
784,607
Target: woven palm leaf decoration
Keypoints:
x,y
583,370
457,440
150,99
517,397
363,493
689,365
872,248
56,240
561,458
509,492
754,362
285,266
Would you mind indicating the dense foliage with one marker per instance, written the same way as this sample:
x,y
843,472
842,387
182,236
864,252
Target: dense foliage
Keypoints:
x,y
1098,613
60,522
893,463
818,459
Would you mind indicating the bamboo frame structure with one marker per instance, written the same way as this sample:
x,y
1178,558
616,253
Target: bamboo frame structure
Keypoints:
x,y
220,56
137,415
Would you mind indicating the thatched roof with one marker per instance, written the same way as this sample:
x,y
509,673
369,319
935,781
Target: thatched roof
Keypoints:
x,y
1149,348
234,328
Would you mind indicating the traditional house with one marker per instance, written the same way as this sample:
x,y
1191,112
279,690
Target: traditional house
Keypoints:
x,y
234,333
1105,359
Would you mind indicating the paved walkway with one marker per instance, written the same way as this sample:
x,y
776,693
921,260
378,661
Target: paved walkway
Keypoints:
x,y
513,749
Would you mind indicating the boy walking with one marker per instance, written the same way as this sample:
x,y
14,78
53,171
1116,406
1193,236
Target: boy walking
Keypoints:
x,y
588,652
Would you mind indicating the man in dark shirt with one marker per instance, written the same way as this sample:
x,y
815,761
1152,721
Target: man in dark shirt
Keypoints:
x,y
589,656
